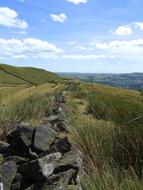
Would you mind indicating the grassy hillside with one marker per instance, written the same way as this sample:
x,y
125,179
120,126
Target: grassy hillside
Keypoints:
x,y
107,123
24,75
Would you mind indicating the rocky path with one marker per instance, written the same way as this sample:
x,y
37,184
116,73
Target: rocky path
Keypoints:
x,y
41,158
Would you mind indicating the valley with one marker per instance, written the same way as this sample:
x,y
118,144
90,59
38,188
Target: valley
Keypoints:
x,y
129,81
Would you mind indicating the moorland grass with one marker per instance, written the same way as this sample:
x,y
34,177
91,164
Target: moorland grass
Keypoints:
x,y
109,137
103,120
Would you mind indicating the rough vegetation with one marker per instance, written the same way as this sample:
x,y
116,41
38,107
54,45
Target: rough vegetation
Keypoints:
x,y
106,124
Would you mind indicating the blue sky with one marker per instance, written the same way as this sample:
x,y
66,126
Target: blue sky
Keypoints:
x,y
73,35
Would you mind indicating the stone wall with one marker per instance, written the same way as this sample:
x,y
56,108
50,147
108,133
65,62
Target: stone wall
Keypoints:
x,y
41,158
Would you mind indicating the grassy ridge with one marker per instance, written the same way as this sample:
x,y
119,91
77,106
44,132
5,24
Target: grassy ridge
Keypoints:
x,y
25,75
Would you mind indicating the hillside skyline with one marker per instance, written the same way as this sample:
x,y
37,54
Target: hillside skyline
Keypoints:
x,y
86,36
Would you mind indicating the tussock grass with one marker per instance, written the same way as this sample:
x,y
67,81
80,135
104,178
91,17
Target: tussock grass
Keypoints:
x,y
23,104
108,161
31,109
112,145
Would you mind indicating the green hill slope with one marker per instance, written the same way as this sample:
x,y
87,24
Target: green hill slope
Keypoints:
x,y
25,75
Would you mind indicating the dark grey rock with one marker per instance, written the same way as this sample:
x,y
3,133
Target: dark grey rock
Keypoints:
x,y
56,185
41,168
62,177
61,145
71,160
44,137
20,137
8,172
3,147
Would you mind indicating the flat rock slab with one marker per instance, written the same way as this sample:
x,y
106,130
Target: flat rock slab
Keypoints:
x,y
41,168
71,160
44,137
8,172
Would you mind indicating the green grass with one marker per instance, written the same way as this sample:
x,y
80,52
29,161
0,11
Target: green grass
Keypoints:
x,y
36,76
107,123
109,137
119,109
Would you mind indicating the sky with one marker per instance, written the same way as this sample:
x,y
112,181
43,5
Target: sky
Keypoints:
x,y
89,36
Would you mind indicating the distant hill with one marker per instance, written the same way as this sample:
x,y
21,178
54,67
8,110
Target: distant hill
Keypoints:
x,y
24,75
130,81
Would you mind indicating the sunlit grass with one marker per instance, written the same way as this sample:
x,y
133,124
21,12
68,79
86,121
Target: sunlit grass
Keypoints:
x,y
112,148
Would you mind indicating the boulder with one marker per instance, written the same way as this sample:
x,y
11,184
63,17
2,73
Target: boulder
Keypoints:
x,y
58,181
62,177
20,137
44,137
8,172
41,168
71,160
59,126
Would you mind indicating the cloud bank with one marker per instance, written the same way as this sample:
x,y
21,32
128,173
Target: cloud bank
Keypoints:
x,y
28,48
10,18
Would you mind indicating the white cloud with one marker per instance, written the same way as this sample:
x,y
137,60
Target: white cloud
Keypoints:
x,y
87,57
123,30
27,48
128,29
130,49
9,18
122,48
120,44
59,18
139,24
77,2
